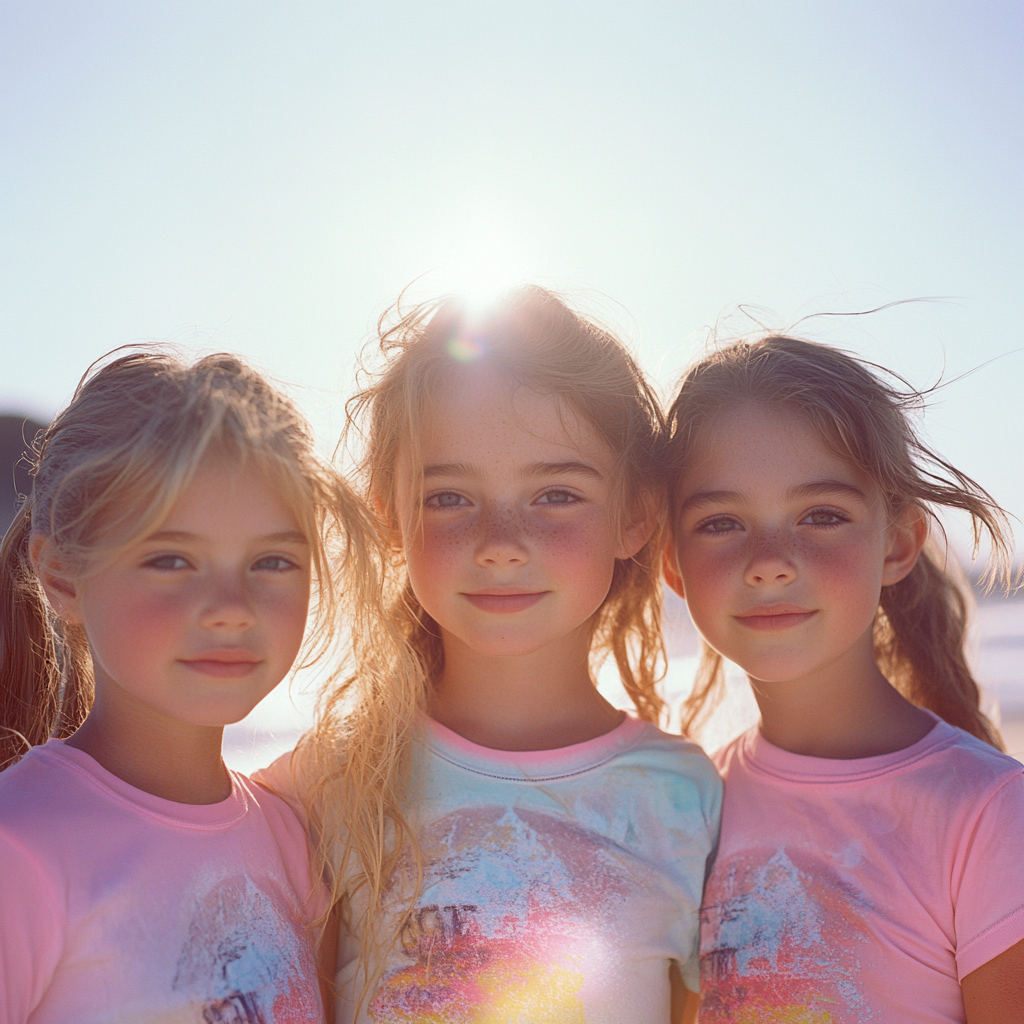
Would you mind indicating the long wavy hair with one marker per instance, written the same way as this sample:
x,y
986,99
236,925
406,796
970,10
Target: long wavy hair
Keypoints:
x,y
359,788
108,470
862,414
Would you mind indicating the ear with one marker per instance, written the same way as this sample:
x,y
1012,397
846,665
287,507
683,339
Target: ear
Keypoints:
x,y
640,527
906,538
670,566
58,586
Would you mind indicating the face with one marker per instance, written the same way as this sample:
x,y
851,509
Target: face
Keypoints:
x,y
781,549
511,543
202,619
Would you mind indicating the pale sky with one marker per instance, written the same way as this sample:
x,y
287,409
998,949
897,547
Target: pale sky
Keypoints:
x,y
266,177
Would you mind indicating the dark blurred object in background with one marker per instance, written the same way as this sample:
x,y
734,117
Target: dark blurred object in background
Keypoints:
x,y
16,436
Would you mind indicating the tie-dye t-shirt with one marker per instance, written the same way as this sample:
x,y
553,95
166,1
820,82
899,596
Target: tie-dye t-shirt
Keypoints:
x,y
557,884
118,907
860,890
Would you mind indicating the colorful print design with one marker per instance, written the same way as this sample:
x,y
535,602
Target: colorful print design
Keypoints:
x,y
518,909
782,937
247,959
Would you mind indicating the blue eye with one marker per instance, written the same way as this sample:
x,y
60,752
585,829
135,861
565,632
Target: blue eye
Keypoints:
x,y
167,562
446,499
274,563
558,497
824,517
719,525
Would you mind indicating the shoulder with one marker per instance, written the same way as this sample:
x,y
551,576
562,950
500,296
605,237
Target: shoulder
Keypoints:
x,y
291,780
41,786
676,762
37,795
727,758
966,767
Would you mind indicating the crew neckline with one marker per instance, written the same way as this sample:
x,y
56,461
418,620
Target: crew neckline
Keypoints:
x,y
765,756
533,765
211,817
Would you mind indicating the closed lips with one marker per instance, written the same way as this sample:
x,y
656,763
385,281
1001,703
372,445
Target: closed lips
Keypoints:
x,y
775,617
224,667
504,601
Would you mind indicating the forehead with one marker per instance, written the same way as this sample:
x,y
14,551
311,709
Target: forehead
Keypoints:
x,y
487,418
749,444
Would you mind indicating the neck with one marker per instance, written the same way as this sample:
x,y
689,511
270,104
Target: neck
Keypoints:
x,y
159,755
844,710
538,701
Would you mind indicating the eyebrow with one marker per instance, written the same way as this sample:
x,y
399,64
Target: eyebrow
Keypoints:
x,y
813,489
463,469
183,536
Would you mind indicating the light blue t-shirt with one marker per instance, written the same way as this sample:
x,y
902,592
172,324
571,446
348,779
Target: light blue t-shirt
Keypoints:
x,y
557,884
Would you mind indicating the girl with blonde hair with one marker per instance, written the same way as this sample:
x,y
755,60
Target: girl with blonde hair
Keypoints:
x,y
155,586
870,857
505,844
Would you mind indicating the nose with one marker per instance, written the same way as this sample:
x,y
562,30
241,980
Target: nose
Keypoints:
x,y
770,562
501,543
227,606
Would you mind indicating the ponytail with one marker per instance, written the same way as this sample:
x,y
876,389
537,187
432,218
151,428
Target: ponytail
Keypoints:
x,y
920,633
45,670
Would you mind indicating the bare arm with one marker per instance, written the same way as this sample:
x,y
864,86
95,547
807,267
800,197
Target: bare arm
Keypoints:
x,y
994,993
684,1002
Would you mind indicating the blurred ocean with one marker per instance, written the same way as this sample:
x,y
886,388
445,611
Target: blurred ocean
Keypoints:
x,y
278,721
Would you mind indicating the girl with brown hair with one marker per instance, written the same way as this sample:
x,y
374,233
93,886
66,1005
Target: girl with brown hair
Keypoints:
x,y
870,857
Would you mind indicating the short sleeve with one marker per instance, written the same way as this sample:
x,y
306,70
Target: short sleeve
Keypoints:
x,y
988,895
280,778
31,931
710,787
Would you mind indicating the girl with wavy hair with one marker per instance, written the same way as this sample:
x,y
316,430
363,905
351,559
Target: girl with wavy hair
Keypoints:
x,y
154,587
504,843
870,858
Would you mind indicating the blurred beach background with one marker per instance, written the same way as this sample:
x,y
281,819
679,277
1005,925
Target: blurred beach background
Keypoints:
x,y
266,178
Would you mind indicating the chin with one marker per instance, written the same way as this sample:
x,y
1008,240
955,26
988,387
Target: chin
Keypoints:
x,y
506,647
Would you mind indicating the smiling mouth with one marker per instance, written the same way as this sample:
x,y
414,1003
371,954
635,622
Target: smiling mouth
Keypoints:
x,y
504,601
221,668
775,617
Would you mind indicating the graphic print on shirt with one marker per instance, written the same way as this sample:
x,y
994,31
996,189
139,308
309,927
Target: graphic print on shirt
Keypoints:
x,y
247,957
782,939
518,907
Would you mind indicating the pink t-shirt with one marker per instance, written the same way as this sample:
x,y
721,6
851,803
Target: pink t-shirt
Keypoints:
x,y
861,890
119,906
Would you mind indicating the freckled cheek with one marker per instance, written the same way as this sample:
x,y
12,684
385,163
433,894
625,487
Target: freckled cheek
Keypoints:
x,y
581,554
440,546
846,569
710,574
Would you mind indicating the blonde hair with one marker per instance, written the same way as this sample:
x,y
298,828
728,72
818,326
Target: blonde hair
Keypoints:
x,y
920,627
531,338
108,470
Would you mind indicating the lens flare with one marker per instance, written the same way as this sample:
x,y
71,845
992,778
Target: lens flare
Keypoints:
x,y
465,349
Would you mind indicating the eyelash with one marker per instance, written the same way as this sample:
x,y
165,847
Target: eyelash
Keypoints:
x,y
284,564
434,501
287,563
153,563
573,497
825,511
706,525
